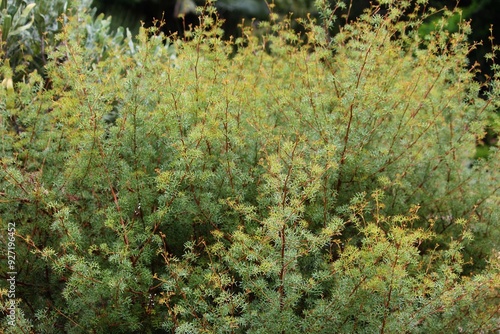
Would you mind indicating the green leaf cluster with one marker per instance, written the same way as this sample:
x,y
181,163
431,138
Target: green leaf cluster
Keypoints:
x,y
300,184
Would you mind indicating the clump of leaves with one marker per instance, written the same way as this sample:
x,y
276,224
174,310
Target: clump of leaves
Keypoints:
x,y
300,184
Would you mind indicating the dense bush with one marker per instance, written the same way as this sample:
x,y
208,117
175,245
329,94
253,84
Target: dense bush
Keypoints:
x,y
29,30
304,184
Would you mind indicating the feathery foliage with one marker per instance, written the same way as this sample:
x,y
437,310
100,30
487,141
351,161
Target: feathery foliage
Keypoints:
x,y
302,184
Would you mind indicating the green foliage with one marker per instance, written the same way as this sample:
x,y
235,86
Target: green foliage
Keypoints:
x,y
300,184
29,30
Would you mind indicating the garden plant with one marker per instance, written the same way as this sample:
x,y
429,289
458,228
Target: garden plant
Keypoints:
x,y
275,182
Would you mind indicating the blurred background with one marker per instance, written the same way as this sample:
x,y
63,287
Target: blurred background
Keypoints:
x,y
129,13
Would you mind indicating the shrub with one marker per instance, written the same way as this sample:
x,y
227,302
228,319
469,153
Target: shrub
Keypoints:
x,y
29,30
302,184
